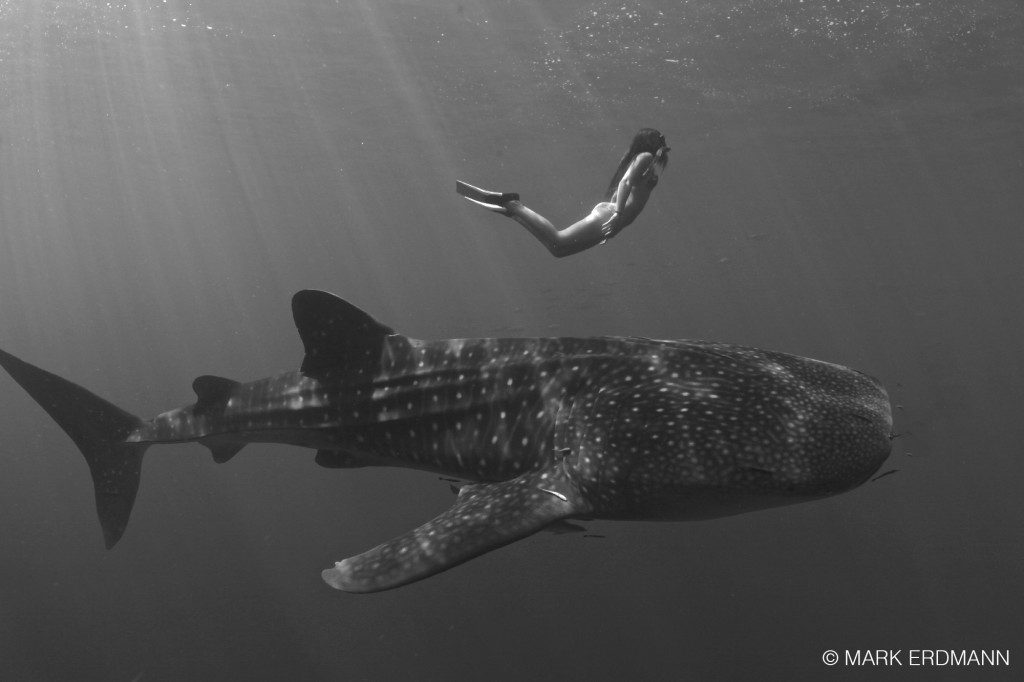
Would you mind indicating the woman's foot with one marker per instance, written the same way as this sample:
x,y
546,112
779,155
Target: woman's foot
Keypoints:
x,y
492,201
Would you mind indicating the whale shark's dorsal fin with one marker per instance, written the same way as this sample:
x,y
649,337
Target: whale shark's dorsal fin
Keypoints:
x,y
212,391
485,516
212,395
335,332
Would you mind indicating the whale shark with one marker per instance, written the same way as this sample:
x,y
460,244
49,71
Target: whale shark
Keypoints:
x,y
546,430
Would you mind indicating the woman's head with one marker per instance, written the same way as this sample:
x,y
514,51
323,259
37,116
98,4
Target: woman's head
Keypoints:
x,y
646,140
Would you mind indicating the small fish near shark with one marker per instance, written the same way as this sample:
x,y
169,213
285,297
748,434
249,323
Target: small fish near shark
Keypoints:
x,y
549,429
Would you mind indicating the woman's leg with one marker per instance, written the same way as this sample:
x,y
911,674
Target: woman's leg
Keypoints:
x,y
577,237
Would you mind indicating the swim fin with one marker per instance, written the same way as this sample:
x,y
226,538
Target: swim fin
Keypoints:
x,y
492,201
490,207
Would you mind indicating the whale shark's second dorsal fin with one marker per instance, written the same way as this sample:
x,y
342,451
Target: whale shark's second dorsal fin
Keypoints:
x,y
334,332
212,392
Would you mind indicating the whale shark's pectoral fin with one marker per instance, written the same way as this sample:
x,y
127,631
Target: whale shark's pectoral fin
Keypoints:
x,y
485,516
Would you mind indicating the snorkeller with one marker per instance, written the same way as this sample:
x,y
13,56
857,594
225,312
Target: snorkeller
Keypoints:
x,y
626,196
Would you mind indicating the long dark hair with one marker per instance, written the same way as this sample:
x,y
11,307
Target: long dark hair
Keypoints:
x,y
647,140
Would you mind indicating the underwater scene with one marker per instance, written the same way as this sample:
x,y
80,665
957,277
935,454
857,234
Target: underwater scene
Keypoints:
x,y
511,340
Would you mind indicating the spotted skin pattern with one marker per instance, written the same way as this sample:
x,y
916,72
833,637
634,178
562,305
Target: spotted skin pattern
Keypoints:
x,y
549,429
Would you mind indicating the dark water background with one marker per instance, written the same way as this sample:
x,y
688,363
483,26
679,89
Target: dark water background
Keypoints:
x,y
847,183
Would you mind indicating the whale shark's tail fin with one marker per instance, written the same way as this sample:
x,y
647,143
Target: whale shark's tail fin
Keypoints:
x,y
99,430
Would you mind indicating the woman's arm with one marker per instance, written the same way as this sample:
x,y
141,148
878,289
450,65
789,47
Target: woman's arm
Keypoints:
x,y
639,166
